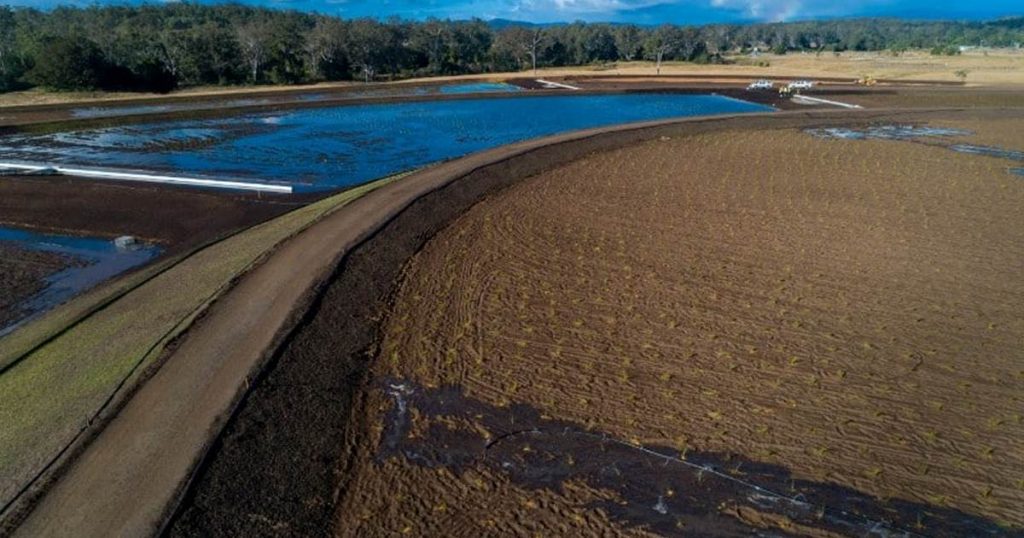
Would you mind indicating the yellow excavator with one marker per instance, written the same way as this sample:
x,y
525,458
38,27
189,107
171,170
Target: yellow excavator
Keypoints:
x,y
866,81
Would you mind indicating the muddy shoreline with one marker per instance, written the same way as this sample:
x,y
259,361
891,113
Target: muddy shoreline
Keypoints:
x,y
173,217
277,468
23,273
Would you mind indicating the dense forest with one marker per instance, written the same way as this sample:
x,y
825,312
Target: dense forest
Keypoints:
x,y
162,47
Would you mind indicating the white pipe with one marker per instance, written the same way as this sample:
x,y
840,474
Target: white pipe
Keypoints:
x,y
824,101
150,178
556,84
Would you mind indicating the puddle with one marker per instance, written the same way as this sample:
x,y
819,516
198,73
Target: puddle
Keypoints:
x,y
912,133
989,151
886,132
99,260
339,146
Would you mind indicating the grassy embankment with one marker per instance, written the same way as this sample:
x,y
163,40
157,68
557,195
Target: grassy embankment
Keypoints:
x,y
49,396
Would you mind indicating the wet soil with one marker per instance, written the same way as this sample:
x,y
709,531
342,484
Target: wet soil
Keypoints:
x,y
23,273
175,218
644,487
308,454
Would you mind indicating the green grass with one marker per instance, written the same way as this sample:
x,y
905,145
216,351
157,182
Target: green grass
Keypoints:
x,y
51,395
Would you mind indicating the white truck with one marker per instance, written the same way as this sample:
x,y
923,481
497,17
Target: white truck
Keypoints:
x,y
761,85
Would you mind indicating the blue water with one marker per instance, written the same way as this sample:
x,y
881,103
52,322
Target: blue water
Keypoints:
x,y
328,148
989,151
886,132
910,133
100,258
479,87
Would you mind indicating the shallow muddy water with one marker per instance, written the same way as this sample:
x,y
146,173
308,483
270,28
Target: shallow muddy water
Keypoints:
x,y
97,260
910,133
886,132
328,148
114,111
989,151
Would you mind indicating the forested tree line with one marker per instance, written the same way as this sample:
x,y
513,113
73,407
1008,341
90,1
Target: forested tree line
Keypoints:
x,y
162,47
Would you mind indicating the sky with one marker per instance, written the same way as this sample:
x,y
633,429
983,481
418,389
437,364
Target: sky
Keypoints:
x,y
625,11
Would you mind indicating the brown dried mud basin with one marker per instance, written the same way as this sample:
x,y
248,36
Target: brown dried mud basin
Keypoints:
x,y
729,328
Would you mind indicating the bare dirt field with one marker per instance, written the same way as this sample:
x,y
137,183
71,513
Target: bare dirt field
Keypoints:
x,y
846,310
712,332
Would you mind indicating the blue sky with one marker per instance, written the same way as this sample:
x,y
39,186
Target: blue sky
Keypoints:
x,y
637,11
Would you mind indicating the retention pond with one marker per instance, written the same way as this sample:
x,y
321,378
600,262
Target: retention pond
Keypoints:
x,y
329,148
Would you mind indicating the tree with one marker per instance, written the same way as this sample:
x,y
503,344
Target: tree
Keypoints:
x,y
597,44
628,42
72,63
526,40
285,47
252,40
325,48
661,42
160,45
471,47
366,44
433,37
10,64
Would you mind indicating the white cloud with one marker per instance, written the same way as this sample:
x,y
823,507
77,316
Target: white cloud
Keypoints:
x,y
769,10
586,6
766,10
